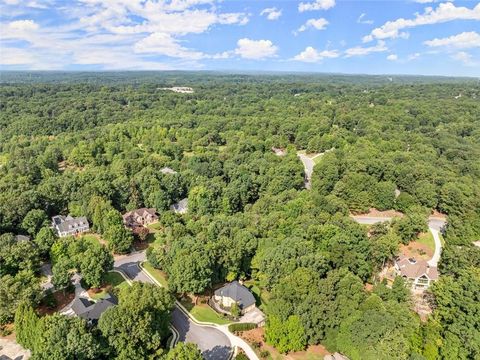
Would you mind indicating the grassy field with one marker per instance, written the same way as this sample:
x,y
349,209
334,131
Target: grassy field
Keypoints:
x,y
113,280
204,313
157,274
427,240
155,226
318,159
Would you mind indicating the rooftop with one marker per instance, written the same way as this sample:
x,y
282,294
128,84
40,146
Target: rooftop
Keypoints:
x,y
237,293
414,268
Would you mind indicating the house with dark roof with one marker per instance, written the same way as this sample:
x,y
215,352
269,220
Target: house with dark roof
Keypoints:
x,y
416,271
232,293
140,217
91,311
70,226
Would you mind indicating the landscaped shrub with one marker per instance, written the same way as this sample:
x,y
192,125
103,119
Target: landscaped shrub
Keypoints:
x,y
241,327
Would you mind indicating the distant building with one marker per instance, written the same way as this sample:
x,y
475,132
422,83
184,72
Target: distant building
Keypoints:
x,y
140,217
70,226
91,311
233,293
179,89
167,171
417,272
181,207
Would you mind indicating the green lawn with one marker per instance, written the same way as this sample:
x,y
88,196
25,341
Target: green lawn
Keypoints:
x,y
155,226
156,274
261,296
427,239
204,313
112,280
318,159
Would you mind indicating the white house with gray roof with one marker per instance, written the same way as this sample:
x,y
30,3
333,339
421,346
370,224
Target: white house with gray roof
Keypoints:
x,y
70,226
232,293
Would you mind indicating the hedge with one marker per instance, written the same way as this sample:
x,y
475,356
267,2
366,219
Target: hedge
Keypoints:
x,y
241,327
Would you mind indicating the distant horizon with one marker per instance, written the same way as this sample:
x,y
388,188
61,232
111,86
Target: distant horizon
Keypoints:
x,y
406,37
240,72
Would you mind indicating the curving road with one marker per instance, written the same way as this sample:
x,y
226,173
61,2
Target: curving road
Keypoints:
x,y
214,344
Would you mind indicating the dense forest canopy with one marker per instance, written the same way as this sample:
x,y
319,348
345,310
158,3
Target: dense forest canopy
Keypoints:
x,y
94,145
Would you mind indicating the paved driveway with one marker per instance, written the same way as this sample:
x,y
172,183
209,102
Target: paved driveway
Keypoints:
x,y
214,344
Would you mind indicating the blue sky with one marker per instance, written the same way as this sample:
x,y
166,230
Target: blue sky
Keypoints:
x,y
427,37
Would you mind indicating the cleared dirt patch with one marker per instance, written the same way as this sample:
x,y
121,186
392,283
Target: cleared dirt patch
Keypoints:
x,y
256,338
417,250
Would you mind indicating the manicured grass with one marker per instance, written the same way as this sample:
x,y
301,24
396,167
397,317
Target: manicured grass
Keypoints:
x,y
155,226
318,159
158,275
112,280
427,240
204,313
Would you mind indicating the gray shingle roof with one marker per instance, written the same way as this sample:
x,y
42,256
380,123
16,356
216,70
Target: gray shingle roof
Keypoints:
x,y
239,293
65,224
89,310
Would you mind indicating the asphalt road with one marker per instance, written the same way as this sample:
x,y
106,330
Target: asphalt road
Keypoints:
x,y
214,344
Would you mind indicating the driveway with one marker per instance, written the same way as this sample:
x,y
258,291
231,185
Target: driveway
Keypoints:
x,y
435,225
213,343
308,165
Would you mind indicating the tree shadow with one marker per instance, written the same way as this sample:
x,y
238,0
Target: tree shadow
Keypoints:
x,y
217,353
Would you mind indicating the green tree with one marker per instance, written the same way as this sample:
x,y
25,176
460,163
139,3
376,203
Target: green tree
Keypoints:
x,y
285,336
119,239
184,351
26,326
61,337
136,327
191,271
45,239
96,262
34,221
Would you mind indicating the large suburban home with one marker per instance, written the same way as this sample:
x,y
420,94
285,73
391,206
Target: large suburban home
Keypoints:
x,y
417,272
70,226
140,217
91,311
232,293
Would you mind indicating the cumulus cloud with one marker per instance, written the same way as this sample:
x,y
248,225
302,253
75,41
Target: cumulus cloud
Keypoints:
x,y
445,12
361,19
255,49
165,44
23,25
392,57
318,24
463,40
413,56
272,13
362,51
316,5
465,58
311,55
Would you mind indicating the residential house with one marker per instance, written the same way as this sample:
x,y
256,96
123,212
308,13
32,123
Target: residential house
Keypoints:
x,y
416,271
181,207
232,293
140,217
91,311
70,226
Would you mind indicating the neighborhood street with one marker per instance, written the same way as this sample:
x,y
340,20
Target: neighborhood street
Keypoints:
x,y
213,343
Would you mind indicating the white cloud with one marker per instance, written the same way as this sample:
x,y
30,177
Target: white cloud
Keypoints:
x,y
312,55
165,44
392,57
255,49
23,25
272,13
443,13
15,56
464,40
361,19
465,58
362,51
319,24
316,5
413,56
